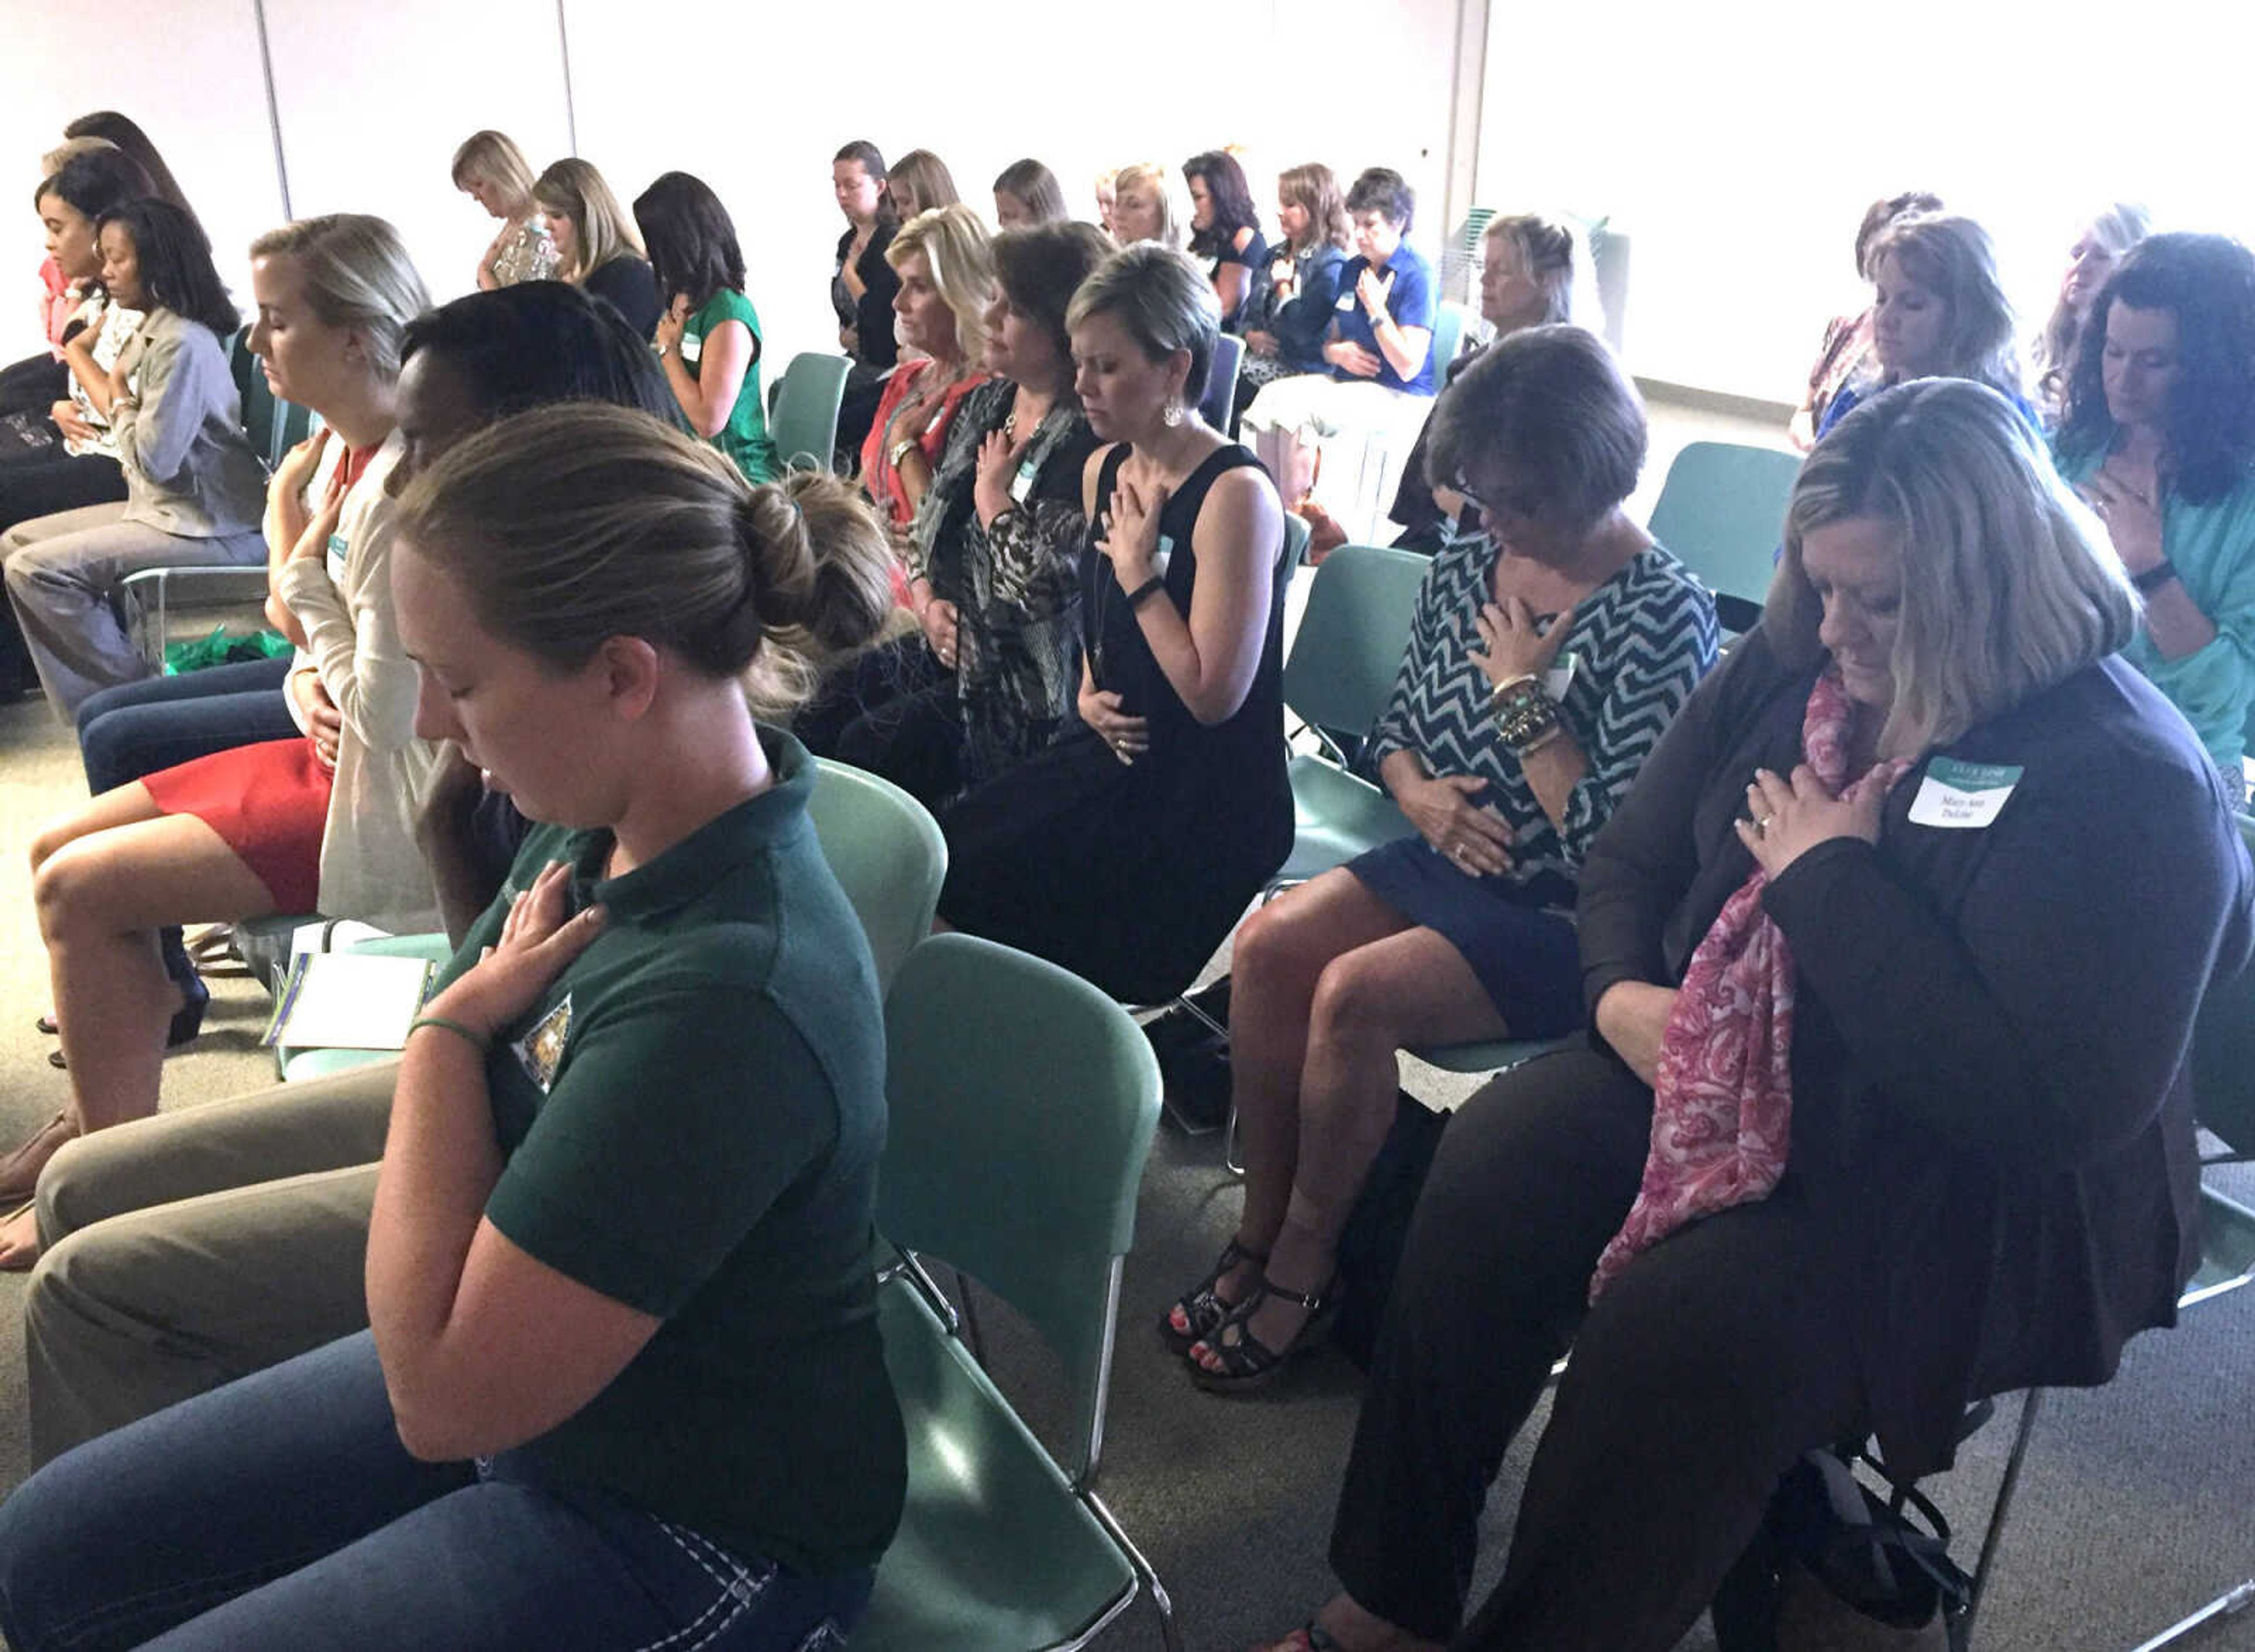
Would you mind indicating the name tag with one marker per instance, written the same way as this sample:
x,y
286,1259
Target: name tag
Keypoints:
x,y
692,346
1022,484
340,549
1163,555
1963,796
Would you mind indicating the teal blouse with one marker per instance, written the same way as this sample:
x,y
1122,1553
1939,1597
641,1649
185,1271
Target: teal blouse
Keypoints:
x,y
2212,547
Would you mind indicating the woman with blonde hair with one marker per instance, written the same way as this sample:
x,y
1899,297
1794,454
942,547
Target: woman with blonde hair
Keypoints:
x,y
325,822
1938,310
2101,245
1148,205
947,283
491,170
597,246
920,182
681,1432
1126,849
1860,1138
1027,193
1534,271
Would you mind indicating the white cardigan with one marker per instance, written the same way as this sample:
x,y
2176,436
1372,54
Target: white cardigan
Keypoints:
x,y
371,868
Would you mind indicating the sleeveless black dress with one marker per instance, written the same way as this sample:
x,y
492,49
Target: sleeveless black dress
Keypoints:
x,y
1131,876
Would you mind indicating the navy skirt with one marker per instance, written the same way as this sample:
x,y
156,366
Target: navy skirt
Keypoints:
x,y
1525,955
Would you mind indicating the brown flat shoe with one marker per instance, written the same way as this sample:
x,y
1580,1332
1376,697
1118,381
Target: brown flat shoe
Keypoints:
x,y
19,1171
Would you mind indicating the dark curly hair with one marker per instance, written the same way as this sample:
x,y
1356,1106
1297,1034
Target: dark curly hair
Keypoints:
x,y
175,263
2208,283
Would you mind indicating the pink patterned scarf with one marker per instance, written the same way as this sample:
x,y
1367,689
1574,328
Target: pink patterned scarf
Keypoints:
x,y
1722,1115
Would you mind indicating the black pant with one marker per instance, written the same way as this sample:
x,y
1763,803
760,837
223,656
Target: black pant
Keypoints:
x,y
915,741
1711,1364
33,384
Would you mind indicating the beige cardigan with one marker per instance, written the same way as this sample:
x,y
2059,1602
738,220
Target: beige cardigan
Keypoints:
x,y
371,868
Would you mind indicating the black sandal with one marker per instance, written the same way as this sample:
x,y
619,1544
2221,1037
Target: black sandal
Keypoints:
x,y
1204,1313
1248,1362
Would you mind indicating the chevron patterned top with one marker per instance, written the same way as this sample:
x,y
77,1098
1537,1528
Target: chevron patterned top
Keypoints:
x,y
1641,641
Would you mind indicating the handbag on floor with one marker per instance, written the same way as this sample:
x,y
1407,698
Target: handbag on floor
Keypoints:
x,y
1837,1567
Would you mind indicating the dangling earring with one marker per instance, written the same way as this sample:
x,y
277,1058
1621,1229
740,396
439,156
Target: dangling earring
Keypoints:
x,y
1174,415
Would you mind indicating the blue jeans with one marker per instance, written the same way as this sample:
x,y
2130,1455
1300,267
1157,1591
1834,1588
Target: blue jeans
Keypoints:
x,y
134,730
281,1511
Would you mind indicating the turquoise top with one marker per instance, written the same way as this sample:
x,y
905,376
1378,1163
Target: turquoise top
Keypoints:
x,y
2212,547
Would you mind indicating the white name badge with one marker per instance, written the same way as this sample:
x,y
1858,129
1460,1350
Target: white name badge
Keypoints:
x,y
1023,483
1346,303
1965,796
1163,555
338,551
1560,678
692,346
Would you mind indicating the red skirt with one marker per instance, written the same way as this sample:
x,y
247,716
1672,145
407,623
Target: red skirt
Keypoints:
x,y
270,803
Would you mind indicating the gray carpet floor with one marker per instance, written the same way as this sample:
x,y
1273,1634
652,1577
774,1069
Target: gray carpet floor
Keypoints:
x,y
2132,1511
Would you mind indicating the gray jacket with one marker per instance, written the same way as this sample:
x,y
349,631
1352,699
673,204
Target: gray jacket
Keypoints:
x,y
189,470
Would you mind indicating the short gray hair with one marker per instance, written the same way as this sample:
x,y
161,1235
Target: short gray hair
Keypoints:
x,y
357,275
1163,301
2009,583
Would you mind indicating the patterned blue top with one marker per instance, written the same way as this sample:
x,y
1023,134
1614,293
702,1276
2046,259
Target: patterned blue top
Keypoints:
x,y
1640,643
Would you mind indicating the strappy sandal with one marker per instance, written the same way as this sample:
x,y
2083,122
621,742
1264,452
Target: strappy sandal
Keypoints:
x,y
1248,1362
1200,1310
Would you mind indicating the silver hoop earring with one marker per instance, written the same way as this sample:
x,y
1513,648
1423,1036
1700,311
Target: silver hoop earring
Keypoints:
x,y
1174,415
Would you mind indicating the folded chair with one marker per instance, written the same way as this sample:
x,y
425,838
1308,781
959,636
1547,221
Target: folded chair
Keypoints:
x,y
1022,1104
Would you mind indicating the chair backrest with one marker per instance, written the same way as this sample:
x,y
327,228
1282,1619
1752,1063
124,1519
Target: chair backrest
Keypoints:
x,y
1353,635
1448,323
804,428
273,426
1220,402
1296,533
2223,1050
1722,512
1023,1102
886,853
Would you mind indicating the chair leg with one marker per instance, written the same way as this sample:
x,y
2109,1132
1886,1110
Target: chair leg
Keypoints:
x,y
1141,1568
1229,1144
2003,1506
2223,1605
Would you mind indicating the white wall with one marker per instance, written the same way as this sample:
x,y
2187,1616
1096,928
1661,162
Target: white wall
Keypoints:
x,y
1739,145
196,89
755,99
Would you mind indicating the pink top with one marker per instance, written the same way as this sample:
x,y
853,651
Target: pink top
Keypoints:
x,y
879,478
56,304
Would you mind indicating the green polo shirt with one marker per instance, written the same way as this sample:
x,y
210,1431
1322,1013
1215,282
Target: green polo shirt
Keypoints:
x,y
692,1115
744,438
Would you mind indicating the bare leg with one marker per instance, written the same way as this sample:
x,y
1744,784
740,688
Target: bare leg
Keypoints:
x,y
1412,988
102,896
1280,954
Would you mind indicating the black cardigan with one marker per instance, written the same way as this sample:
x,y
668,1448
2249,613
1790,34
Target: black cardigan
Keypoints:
x,y
871,316
1993,1112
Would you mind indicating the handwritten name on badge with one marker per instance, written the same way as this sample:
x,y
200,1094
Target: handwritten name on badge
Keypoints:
x,y
1964,796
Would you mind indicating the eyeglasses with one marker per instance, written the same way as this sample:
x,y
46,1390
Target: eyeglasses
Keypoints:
x,y
1514,502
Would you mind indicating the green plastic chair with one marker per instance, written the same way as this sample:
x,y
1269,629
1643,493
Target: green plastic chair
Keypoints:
x,y
1450,322
1002,1548
888,856
884,846
1722,512
1336,680
805,425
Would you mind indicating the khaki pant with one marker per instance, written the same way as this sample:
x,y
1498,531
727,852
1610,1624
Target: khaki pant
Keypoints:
x,y
192,1249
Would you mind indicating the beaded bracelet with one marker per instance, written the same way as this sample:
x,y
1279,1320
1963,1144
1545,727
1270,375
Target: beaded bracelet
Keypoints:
x,y
1526,715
